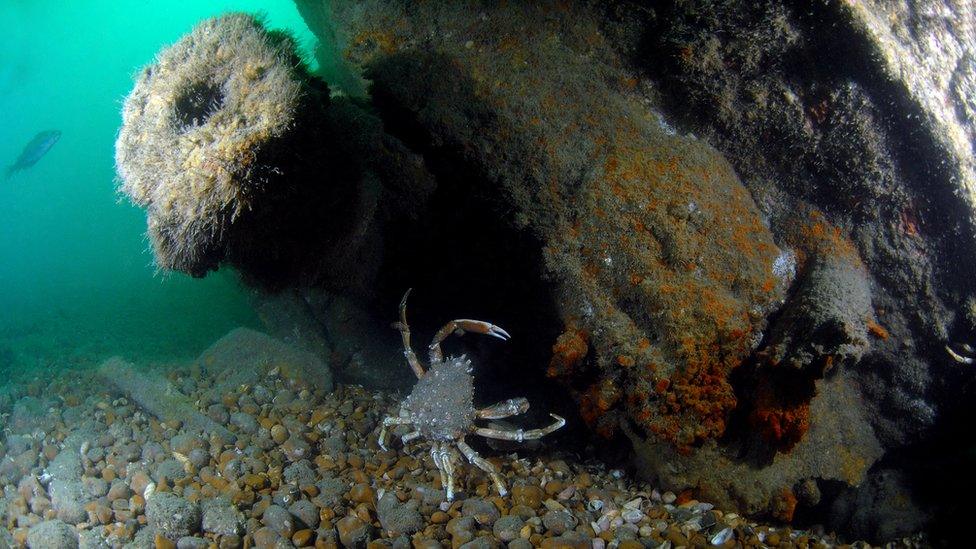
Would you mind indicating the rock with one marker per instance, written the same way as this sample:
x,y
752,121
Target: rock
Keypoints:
x,y
267,537
306,512
482,542
296,449
353,533
221,518
95,487
879,509
852,178
170,469
484,512
399,518
243,354
52,534
190,542
559,522
172,516
682,241
279,520
92,539
184,443
198,458
507,527
66,466
157,396
529,496
300,473
18,444
30,414
68,500
331,491
244,422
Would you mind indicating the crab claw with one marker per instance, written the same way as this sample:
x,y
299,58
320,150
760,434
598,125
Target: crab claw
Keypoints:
x,y
497,331
480,327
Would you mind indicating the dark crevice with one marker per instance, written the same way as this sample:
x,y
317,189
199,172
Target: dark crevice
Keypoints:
x,y
197,104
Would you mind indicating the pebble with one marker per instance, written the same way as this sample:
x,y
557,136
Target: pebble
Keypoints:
x,y
352,531
279,434
530,496
507,528
484,512
52,533
559,522
399,518
191,542
172,516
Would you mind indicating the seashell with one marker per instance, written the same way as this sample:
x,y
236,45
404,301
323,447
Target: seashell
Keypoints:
x,y
596,528
722,536
594,505
598,543
567,493
149,491
633,504
632,516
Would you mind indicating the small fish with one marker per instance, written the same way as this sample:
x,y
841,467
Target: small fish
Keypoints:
x,y
34,150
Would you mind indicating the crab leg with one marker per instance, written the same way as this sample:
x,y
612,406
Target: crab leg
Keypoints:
x,y
507,408
449,468
442,460
409,436
521,435
404,328
484,465
459,327
391,420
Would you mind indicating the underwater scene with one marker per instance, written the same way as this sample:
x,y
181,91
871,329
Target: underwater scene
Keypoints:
x,y
565,274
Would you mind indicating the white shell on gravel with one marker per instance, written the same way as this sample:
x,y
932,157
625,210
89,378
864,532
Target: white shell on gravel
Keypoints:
x,y
722,536
633,504
632,516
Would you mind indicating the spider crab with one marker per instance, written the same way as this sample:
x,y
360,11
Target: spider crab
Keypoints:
x,y
441,408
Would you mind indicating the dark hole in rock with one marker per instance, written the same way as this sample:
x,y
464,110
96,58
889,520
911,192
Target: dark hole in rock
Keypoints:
x,y
197,104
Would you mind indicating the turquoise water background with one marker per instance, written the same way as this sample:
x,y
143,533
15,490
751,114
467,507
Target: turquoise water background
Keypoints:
x,y
77,282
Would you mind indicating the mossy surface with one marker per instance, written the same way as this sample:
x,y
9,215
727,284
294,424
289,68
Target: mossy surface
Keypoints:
x,y
663,266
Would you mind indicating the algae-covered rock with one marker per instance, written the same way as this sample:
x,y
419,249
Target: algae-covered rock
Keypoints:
x,y
52,534
240,157
661,264
156,395
244,355
172,516
660,260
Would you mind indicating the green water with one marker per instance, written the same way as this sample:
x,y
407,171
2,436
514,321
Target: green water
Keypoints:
x,y
77,282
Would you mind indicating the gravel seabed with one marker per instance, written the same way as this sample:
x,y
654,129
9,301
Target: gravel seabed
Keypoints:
x,y
83,467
